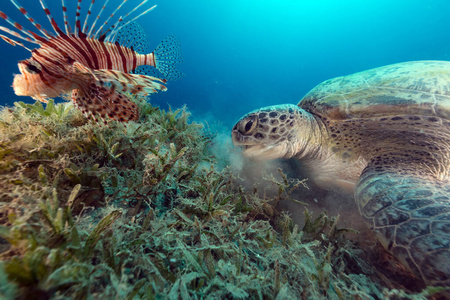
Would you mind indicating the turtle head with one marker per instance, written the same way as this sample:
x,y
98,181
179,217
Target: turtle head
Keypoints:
x,y
280,131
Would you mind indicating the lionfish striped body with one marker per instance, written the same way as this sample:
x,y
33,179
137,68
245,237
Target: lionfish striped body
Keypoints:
x,y
90,65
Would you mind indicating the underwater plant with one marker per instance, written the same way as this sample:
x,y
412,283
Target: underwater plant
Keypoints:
x,y
143,212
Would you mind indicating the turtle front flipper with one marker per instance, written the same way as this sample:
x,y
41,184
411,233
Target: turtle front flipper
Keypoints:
x,y
410,214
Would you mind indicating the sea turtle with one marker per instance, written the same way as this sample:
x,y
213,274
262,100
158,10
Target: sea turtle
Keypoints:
x,y
383,134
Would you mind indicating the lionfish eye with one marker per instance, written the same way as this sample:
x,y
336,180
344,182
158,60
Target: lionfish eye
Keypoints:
x,y
248,125
32,67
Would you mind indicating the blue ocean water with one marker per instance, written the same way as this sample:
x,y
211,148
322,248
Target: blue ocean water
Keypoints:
x,y
240,54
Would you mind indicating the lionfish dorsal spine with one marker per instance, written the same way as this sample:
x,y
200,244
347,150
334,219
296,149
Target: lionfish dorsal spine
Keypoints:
x,y
19,27
18,35
77,19
109,18
96,19
52,21
116,30
65,17
111,36
101,33
29,18
85,25
13,42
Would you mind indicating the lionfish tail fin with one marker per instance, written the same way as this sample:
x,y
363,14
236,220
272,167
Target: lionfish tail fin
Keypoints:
x,y
168,57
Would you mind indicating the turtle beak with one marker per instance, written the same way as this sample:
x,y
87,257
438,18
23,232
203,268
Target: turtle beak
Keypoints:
x,y
237,137
255,149
265,152
241,140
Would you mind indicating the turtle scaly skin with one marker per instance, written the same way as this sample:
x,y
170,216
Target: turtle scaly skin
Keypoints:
x,y
383,134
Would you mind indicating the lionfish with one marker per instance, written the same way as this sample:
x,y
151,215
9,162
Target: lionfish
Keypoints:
x,y
90,64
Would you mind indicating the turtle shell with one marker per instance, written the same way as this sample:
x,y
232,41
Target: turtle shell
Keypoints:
x,y
409,88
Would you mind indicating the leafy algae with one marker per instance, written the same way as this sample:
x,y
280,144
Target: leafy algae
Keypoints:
x,y
141,211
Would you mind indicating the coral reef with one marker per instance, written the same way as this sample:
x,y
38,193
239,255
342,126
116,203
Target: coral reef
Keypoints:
x,y
142,211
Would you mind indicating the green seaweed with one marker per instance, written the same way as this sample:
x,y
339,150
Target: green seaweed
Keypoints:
x,y
142,211
56,112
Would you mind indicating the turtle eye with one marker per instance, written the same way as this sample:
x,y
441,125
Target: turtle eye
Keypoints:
x,y
248,125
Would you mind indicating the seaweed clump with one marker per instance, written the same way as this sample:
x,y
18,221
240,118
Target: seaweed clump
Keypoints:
x,y
141,211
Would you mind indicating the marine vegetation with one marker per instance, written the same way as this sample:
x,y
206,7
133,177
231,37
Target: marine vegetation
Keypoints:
x,y
141,211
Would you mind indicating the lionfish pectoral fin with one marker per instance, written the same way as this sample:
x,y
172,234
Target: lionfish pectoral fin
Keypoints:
x,y
133,83
9,41
96,101
42,98
82,69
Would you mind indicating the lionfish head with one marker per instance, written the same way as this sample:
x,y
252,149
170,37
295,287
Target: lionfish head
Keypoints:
x,y
32,82
25,83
